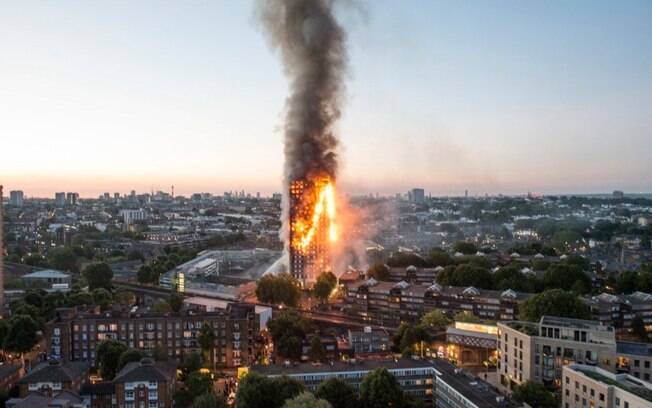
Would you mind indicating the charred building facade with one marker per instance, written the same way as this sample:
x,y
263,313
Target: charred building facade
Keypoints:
x,y
311,230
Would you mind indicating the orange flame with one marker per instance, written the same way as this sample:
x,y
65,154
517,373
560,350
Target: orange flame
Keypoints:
x,y
324,205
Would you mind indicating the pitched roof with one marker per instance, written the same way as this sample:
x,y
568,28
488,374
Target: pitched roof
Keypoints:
x,y
54,371
145,370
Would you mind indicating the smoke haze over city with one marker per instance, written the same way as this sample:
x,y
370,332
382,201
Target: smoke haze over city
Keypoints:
x,y
493,98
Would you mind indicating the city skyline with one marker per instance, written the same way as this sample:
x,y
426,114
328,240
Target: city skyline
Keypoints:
x,y
493,98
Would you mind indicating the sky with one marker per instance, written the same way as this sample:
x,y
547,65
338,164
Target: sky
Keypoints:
x,y
485,96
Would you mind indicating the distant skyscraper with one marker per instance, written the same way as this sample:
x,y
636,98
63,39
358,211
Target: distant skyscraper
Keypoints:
x,y
466,193
60,199
16,198
72,198
416,195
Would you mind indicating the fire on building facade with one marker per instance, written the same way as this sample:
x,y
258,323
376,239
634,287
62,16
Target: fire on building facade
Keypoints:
x,y
312,228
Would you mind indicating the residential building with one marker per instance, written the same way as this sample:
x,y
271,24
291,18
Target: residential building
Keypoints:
x,y
145,384
9,375
415,377
60,199
16,198
417,195
590,386
455,388
63,399
538,351
98,395
414,275
394,302
130,216
52,377
46,278
72,199
73,336
619,310
634,359
369,340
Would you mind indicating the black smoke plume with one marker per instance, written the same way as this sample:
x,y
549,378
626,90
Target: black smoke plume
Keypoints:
x,y
313,50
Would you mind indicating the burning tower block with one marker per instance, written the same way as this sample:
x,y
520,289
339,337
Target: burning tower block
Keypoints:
x,y
312,227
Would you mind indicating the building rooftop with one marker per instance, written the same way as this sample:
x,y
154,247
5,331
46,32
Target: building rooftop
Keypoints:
x,y
638,349
46,274
340,366
479,392
625,382
145,370
574,323
55,371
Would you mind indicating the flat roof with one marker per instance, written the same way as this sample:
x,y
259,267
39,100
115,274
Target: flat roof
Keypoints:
x,y
340,366
639,349
470,387
47,273
573,323
625,382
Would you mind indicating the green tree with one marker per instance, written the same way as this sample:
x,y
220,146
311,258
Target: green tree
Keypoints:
x,y
197,383
554,302
176,302
627,281
435,319
102,298
288,330
338,392
280,289
467,317
380,389
257,391
145,274
324,286
563,239
404,259
129,356
306,400
466,275
124,297
22,334
64,259
135,255
510,277
535,395
206,341
108,354
414,337
209,400
638,328
467,248
378,271
439,257
317,349
191,363
98,275
567,277
161,307
79,299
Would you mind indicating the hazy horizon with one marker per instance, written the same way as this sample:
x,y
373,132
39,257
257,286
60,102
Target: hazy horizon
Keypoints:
x,y
493,97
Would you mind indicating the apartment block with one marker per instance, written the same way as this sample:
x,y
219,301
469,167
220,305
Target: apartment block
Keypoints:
x,y
589,386
455,388
416,377
402,301
634,359
619,310
538,351
74,336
